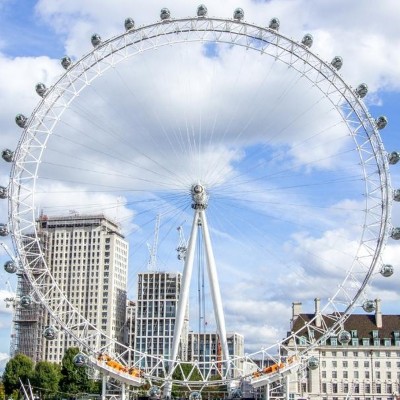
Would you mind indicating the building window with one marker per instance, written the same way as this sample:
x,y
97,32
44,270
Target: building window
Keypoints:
x,y
375,334
365,342
366,364
353,333
377,375
377,364
354,341
345,364
324,387
366,374
355,364
356,375
387,342
345,374
356,388
334,388
333,341
334,375
378,388
323,374
334,364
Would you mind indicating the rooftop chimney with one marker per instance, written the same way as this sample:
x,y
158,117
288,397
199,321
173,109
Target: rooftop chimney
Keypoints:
x,y
296,311
318,321
378,313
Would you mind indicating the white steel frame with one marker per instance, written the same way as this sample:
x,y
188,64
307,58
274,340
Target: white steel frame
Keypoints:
x,y
44,119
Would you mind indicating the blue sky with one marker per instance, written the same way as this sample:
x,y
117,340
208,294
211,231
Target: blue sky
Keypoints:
x,y
234,92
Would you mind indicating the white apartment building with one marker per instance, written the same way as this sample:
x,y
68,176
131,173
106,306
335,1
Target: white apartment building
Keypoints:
x,y
206,347
88,257
366,368
157,299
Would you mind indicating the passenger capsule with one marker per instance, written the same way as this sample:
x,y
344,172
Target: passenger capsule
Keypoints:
x,y
25,302
395,234
238,14
313,363
337,62
344,337
396,195
393,157
10,267
3,230
80,360
195,396
381,122
387,270
41,89
49,333
129,24
362,90
20,120
165,14
95,39
7,155
274,24
236,394
154,392
3,192
202,10
66,62
307,40
368,306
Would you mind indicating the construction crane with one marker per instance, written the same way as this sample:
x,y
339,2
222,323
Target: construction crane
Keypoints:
x,y
152,264
182,245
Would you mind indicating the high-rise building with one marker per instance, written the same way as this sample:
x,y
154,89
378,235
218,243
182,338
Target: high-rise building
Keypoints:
x,y
157,299
361,362
88,258
205,348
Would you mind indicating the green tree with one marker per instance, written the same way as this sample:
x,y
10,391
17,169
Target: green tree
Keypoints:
x,y
183,372
18,368
74,379
46,378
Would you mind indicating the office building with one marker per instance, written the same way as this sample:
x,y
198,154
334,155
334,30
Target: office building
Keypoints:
x,y
365,366
88,258
157,298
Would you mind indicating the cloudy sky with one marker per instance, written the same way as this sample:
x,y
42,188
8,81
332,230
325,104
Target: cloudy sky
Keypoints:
x,y
286,189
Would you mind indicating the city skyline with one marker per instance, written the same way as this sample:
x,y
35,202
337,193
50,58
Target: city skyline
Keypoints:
x,y
367,57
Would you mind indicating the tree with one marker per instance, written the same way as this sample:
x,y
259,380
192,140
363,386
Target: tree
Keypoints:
x,y
18,368
74,379
46,378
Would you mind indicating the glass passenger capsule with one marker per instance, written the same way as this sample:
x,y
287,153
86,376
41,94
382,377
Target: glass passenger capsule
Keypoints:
x,y
387,270
202,10
337,62
396,195
95,39
3,230
154,392
313,363
393,157
395,234
274,24
129,24
368,306
381,122
41,89
3,192
25,301
66,62
307,40
49,333
362,90
165,14
7,155
344,337
10,267
194,396
20,120
80,360
238,14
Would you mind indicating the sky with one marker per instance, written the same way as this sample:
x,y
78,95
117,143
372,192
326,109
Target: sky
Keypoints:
x,y
286,192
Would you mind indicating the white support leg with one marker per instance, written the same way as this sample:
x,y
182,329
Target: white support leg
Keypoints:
x,y
288,387
267,391
103,387
123,391
183,298
215,290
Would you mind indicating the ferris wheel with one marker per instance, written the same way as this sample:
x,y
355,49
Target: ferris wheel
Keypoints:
x,y
249,134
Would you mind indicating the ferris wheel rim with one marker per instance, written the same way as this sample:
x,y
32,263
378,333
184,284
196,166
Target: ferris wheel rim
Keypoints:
x,y
41,113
